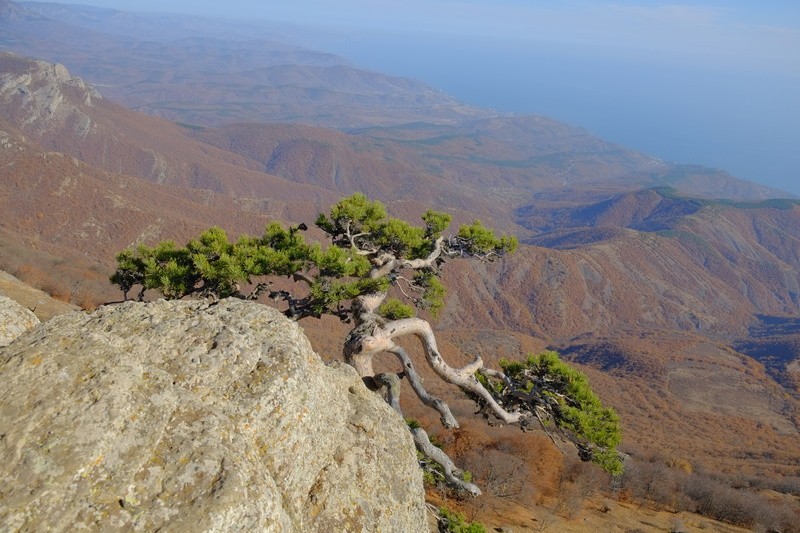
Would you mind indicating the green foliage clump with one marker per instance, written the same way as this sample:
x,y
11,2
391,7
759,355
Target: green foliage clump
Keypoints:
x,y
326,294
412,423
356,221
354,214
213,259
337,262
130,271
165,267
496,387
433,291
435,223
482,241
402,239
453,522
394,309
209,264
566,394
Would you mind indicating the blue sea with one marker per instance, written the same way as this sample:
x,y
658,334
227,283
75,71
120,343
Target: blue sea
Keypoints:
x,y
744,121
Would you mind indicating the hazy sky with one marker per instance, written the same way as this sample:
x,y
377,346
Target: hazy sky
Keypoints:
x,y
764,33
710,82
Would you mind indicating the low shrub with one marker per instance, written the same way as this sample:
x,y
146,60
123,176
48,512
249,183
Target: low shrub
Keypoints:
x,y
453,522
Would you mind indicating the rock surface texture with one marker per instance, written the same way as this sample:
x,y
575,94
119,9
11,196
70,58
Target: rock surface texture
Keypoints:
x,y
14,320
185,416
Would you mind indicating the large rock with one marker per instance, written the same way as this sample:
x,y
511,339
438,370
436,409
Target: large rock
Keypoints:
x,y
14,320
185,416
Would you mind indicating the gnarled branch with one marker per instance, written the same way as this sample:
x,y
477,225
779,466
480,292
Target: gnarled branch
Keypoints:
x,y
382,340
452,474
446,416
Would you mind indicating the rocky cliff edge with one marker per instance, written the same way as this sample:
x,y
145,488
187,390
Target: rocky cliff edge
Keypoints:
x,y
14,320
185,416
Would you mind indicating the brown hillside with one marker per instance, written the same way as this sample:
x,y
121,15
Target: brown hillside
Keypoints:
x,y
61,114
63,201
345,163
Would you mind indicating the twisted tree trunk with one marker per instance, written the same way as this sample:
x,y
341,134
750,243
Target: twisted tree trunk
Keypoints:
x,y
373,335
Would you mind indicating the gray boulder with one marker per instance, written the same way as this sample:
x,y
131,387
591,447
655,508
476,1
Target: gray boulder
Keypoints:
x,y
14,320
185,416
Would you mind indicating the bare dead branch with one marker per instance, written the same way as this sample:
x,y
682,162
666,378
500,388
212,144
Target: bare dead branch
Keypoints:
x,y
451,472
410,286
446,417
544,428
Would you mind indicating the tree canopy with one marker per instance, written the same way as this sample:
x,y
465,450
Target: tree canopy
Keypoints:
x,y
370,255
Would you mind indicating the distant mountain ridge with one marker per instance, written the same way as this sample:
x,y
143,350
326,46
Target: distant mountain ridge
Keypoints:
x,y
15,12
258,79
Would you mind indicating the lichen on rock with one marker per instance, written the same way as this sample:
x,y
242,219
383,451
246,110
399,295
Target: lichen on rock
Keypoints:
x,y
186,416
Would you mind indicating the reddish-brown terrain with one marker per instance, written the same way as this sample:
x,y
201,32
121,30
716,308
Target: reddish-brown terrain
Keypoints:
x,y
680,306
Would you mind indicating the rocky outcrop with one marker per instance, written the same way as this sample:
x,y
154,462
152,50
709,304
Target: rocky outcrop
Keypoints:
x,y
14,320
185,416
44,96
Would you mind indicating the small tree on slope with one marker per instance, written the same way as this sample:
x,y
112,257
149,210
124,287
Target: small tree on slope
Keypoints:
x,y
369,254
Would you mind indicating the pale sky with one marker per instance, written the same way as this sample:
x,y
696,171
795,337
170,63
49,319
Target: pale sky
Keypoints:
x,y
711,82
665,23
758,33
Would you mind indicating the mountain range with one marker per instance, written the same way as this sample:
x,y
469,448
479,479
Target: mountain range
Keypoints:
x,y
675,287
